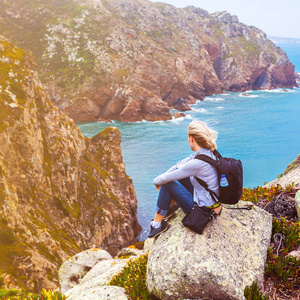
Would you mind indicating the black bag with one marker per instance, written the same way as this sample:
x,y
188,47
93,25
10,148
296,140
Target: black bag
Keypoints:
x,y
233,170
197,218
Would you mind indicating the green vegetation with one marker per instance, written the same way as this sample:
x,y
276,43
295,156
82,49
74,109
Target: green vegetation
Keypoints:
x,y
133,278
283,269
259,192
253,293
15,294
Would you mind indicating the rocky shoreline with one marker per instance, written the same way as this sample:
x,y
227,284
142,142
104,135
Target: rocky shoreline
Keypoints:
x,y
130,60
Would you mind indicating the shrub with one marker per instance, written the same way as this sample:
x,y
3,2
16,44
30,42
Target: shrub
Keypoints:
x,y
283,269
259,192
253,292
133,278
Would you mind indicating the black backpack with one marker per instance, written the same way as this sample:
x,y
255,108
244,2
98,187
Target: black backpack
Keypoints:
x,y
233,170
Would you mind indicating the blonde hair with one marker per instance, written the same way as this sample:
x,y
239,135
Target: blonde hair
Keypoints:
x,y
205,137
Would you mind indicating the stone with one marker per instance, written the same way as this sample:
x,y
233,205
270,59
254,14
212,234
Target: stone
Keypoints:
x,y
181,105
177,115
99,275
101,293
130,252
295,254
297,203
76,267
229,255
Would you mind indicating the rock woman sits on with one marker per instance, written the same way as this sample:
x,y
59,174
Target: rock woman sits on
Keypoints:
x,y
178,186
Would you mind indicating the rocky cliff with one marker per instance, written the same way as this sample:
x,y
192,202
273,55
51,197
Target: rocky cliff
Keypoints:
x,y
290,175
133,59
60,192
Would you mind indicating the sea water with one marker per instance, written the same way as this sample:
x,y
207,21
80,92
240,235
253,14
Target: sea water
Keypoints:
x,y
262,129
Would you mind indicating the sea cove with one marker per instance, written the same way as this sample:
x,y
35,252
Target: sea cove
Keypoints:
x,y
261,128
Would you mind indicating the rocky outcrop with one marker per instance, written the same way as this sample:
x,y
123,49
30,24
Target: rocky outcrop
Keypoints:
x,y
96,280
76,267
133,59
291,175
60,192
230,255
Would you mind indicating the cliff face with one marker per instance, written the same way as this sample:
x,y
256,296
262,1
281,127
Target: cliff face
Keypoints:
x,y
134,59
60,192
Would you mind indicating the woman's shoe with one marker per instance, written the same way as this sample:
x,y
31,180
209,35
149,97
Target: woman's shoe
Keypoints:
x,y
157,231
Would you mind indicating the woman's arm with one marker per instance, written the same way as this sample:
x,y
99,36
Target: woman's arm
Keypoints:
x,y
190,168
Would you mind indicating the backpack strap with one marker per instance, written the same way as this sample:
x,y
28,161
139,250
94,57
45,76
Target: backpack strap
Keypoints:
x,y
214,163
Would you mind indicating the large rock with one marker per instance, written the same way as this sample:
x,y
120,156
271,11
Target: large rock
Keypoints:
x,y
76,267
60,192
230,255
102,293
132,59
98,276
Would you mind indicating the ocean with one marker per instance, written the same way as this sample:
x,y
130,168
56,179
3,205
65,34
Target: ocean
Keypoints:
x,y
262,130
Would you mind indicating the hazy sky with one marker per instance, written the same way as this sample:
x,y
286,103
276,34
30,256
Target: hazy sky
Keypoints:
x,y
274,17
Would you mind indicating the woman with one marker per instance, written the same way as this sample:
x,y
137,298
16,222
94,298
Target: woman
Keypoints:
x,y
178,187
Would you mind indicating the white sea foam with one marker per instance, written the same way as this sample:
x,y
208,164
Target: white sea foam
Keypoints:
x,y
220,107
280,91
214,99
202,110
247,95
145,121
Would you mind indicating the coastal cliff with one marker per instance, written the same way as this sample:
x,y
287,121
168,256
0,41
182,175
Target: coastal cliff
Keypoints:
x,y
60,192
133,59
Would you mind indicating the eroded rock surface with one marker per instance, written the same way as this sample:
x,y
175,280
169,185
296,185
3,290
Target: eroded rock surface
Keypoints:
x,y
230,255
133,59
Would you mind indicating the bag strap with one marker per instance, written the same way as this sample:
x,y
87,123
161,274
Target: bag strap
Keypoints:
x,y
214,163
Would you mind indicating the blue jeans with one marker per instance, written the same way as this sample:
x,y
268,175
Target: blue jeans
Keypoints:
x,y
181,191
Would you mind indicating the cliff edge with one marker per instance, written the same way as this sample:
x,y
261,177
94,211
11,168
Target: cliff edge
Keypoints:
x,y
60,192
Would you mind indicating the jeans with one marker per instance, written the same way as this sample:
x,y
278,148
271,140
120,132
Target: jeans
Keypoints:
x,y
181,191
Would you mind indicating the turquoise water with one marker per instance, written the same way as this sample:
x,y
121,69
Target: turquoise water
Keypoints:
x,y
261,129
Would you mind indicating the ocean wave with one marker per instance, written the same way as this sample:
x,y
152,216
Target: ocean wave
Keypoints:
x,y
202,110
145,121
214,99
220,107
247,95
177,120
279,91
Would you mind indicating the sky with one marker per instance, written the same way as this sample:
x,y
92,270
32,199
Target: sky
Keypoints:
x,y
275,17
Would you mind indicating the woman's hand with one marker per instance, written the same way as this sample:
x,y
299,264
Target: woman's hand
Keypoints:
x,y
158,187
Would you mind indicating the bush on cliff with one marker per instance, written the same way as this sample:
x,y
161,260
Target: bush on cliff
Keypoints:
x,y
133,278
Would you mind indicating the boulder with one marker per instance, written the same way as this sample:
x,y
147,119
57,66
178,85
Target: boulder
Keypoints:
x,y
130,252
295,254
181,104
177,115
229,255
98,276
102,293
76,267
